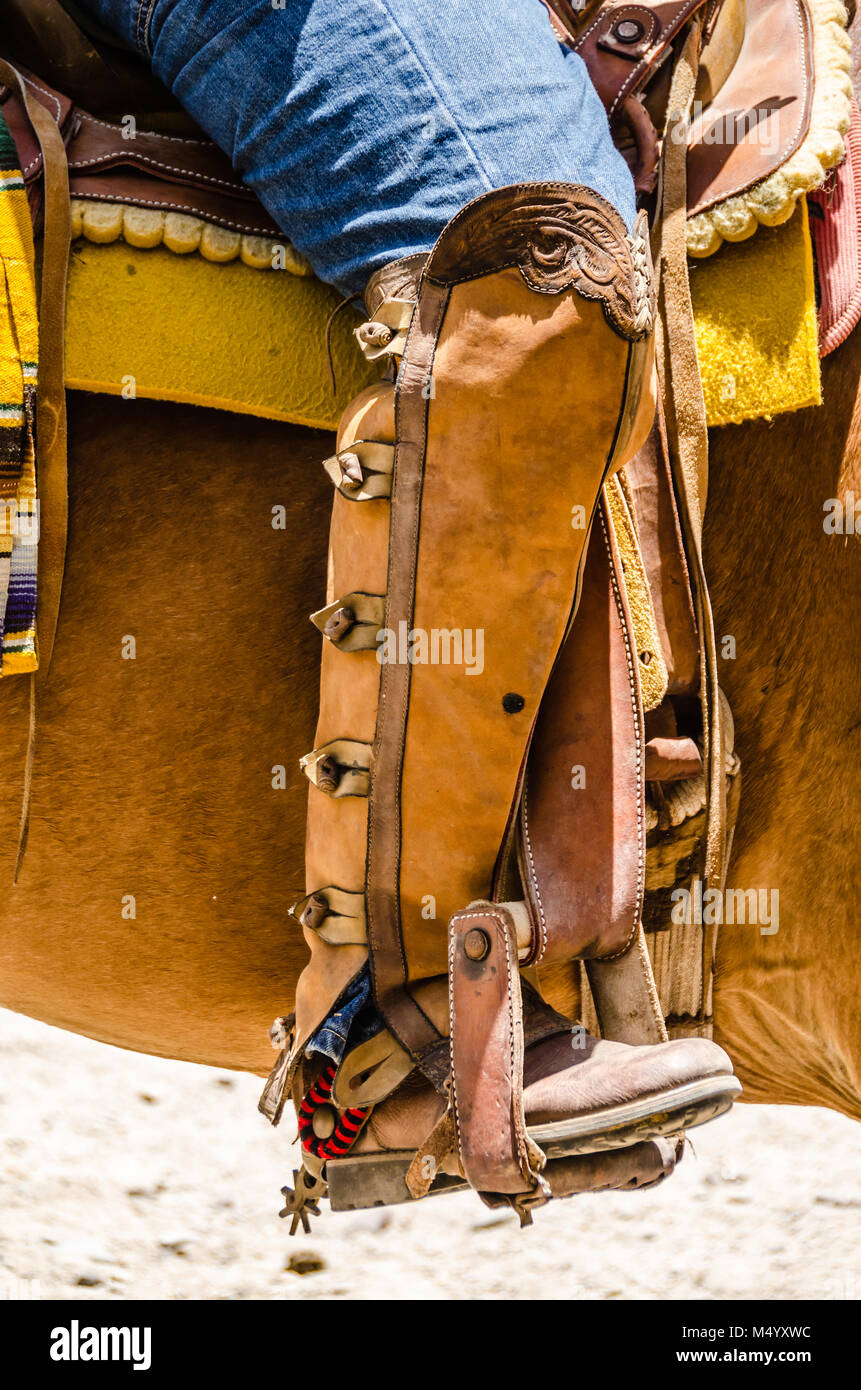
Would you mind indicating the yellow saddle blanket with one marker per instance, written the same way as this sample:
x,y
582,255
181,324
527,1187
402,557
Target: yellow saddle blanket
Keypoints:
x,y
218,326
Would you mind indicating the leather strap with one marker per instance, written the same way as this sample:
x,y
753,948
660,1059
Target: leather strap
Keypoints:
x,y
52,472
406,1019
172,173
583,840
619,64
678,368
486,1019
626,996
659,532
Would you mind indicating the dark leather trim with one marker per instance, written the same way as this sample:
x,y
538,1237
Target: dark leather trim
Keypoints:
x,y
559,236
773,72
388,964
583,849
613,73
235,214
166,172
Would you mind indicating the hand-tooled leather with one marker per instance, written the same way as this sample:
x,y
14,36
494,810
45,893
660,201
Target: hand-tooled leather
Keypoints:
x,y
560,237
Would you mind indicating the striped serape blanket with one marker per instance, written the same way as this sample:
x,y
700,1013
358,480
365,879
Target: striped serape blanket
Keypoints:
x,y
19,355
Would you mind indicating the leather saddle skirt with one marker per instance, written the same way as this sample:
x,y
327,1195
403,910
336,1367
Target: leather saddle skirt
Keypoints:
x,y
162,219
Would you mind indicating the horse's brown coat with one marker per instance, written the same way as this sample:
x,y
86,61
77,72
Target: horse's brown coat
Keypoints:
x,y
154,776
787,1005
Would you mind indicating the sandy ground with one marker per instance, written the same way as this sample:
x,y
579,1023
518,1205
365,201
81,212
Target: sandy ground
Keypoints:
x,y
131,1177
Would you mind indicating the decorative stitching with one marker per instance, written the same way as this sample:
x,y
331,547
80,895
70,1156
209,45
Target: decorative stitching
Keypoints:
x,y
110,125
516,1116
415,329
142,29
788,149
639,750
158,164
454,1109
533,873
174,207
522,1154
663,40
50,95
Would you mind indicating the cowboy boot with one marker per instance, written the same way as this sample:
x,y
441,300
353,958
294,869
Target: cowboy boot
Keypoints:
x,y
465,495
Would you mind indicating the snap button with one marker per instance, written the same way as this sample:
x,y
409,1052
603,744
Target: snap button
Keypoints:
x,y
476,943
629,30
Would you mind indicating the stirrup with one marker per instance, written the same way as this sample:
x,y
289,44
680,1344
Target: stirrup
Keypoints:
x,y
483,1133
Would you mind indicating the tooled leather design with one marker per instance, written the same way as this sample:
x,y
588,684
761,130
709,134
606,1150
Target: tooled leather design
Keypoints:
x,y
560,237
397,280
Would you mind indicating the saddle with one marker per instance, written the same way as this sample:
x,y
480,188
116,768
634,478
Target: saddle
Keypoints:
x,y
753,109
645,619
170,168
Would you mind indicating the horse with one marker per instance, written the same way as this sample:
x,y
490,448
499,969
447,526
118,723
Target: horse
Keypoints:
x,y
166,822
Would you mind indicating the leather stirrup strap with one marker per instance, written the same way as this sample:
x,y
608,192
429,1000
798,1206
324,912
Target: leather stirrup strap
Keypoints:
x,y
51,463
486,1017
583,852
681,384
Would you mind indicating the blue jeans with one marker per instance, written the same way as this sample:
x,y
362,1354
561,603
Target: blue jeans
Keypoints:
x,y
363,126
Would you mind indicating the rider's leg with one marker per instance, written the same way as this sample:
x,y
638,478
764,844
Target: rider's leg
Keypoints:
x,y
365,127
398,129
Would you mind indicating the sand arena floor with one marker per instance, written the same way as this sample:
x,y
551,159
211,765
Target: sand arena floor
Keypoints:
x,y
124,1176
